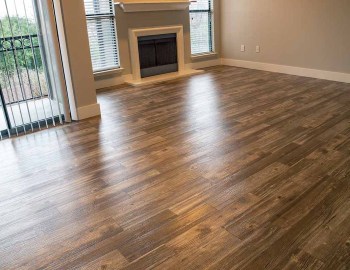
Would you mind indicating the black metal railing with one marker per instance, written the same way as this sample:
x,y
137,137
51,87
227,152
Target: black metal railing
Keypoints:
x,y
22,75
19,43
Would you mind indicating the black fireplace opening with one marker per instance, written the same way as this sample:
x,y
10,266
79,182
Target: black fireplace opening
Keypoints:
x,y
158,54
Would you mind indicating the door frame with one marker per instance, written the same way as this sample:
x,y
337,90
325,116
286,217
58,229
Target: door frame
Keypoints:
x,y
49,23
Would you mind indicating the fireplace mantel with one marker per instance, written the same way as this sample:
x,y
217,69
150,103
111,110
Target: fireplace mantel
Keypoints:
x,y
153,5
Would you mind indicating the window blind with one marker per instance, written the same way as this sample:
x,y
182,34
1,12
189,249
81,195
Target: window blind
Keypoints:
x,y
201,16
102,34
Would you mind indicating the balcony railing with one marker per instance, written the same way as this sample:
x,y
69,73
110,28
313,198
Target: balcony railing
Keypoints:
x,y
18,43
22,74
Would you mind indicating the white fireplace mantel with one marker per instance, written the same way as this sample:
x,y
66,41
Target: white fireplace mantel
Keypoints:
x,y
153,5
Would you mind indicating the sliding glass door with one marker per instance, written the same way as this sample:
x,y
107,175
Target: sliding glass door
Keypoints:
x,y
32,88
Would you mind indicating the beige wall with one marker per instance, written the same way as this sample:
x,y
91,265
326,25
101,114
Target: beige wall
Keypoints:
x,y
303,33
77,48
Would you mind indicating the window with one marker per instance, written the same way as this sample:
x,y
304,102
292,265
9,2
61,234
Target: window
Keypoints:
x,y
102,34
201,17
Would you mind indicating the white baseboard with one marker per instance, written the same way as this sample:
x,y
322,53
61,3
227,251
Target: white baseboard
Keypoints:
x,y
305,72
88,111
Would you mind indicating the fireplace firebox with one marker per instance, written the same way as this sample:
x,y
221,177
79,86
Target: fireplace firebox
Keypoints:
x,y
158,54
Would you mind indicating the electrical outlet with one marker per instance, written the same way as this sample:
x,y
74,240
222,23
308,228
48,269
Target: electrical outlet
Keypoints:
x,y
242,48
257,49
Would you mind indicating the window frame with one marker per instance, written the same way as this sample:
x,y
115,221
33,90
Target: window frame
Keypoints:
x,y
211,14
95,17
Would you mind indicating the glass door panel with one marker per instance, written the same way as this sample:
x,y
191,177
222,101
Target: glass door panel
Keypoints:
x,y
29,98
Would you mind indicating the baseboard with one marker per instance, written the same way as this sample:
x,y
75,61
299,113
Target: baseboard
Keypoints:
x,y
88,111
204,64
305,72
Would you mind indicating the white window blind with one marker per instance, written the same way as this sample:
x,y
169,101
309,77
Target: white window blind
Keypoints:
x,y
201,16
102,34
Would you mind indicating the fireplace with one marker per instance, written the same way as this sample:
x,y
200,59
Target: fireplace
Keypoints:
x,y
157,51
157,54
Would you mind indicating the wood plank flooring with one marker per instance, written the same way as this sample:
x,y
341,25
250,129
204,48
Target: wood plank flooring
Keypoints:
x,y
230,169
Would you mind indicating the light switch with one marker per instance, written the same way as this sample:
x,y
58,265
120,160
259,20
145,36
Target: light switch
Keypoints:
x,y
242,48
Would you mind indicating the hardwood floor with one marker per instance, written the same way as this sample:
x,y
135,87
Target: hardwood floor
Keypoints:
x,y
230,169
